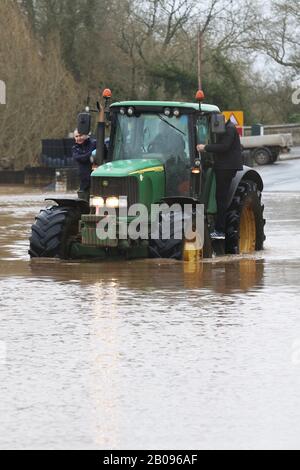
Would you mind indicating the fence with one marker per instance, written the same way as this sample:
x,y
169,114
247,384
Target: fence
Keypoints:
x,y
293,129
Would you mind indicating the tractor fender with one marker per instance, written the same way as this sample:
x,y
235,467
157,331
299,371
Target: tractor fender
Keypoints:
x,y
245,174
80,203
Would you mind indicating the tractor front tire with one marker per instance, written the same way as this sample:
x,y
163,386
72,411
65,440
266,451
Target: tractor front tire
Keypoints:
x,y
173,248
245,220
52,231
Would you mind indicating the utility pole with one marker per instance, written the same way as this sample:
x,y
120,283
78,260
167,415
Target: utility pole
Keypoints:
x,y
200,56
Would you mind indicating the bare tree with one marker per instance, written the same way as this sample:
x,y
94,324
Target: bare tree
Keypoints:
x,y
42,97
278,34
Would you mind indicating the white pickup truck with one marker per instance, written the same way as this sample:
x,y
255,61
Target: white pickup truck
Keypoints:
x,y
265,149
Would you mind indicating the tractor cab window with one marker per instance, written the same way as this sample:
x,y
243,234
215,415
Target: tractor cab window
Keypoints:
x,y
157,137
202,130
153,136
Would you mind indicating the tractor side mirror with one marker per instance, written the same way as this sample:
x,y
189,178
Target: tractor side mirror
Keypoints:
x,y
218,124
84,123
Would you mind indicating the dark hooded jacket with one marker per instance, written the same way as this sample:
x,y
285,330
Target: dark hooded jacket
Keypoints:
x,y
228,149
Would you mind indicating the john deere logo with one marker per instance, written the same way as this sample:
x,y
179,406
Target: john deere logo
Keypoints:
x,y
105,184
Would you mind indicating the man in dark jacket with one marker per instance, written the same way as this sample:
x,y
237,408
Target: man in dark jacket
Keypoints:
x,y
228,160
82,154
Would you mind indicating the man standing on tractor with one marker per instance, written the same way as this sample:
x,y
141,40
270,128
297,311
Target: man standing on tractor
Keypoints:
x,y
228,161
83,154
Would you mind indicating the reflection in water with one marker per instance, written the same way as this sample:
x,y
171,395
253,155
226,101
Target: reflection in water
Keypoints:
x,y
104,365
222,276
120,296
225,277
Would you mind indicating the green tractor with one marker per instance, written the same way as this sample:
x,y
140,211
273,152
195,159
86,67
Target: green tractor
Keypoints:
x,y
152,160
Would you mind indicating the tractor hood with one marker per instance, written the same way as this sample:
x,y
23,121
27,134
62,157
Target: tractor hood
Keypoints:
x,y
143,181
123,168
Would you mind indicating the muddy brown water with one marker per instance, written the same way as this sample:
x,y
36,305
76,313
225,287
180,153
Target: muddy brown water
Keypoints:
x,y
150,354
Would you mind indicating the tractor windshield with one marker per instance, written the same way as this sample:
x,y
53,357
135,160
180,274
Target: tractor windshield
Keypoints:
x,y
152,136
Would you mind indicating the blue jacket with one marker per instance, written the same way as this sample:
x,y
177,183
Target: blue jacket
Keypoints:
x,y
82,155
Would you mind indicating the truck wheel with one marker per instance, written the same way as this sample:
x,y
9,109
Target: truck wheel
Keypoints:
x,y
182,249
262,156
50,236
245,221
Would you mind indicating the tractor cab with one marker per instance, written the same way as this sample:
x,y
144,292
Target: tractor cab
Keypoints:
x,y
154,136
153,145
166,134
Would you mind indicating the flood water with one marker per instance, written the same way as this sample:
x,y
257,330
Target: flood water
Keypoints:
x,y
149,354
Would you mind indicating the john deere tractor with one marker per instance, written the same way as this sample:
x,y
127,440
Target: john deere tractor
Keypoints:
x,y
152,159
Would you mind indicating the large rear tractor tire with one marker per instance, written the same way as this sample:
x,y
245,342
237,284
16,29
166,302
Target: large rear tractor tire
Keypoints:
x,y
52,231
245,220
178,249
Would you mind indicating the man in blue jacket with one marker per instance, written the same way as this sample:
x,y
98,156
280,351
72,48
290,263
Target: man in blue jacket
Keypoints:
x,y
82,154
228,161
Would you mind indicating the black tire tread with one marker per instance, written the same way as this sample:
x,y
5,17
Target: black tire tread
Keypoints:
x,y
52,230
246,191
172,248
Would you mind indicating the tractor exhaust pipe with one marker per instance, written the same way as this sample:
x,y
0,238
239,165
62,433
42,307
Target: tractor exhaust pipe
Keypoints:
x,y
100,136
102,123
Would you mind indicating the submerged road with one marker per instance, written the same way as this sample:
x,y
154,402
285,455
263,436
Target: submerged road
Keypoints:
x,y
283,176
152,354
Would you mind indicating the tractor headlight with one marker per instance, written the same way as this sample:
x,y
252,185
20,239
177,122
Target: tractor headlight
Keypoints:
x,y
116,202
97,202
112,202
